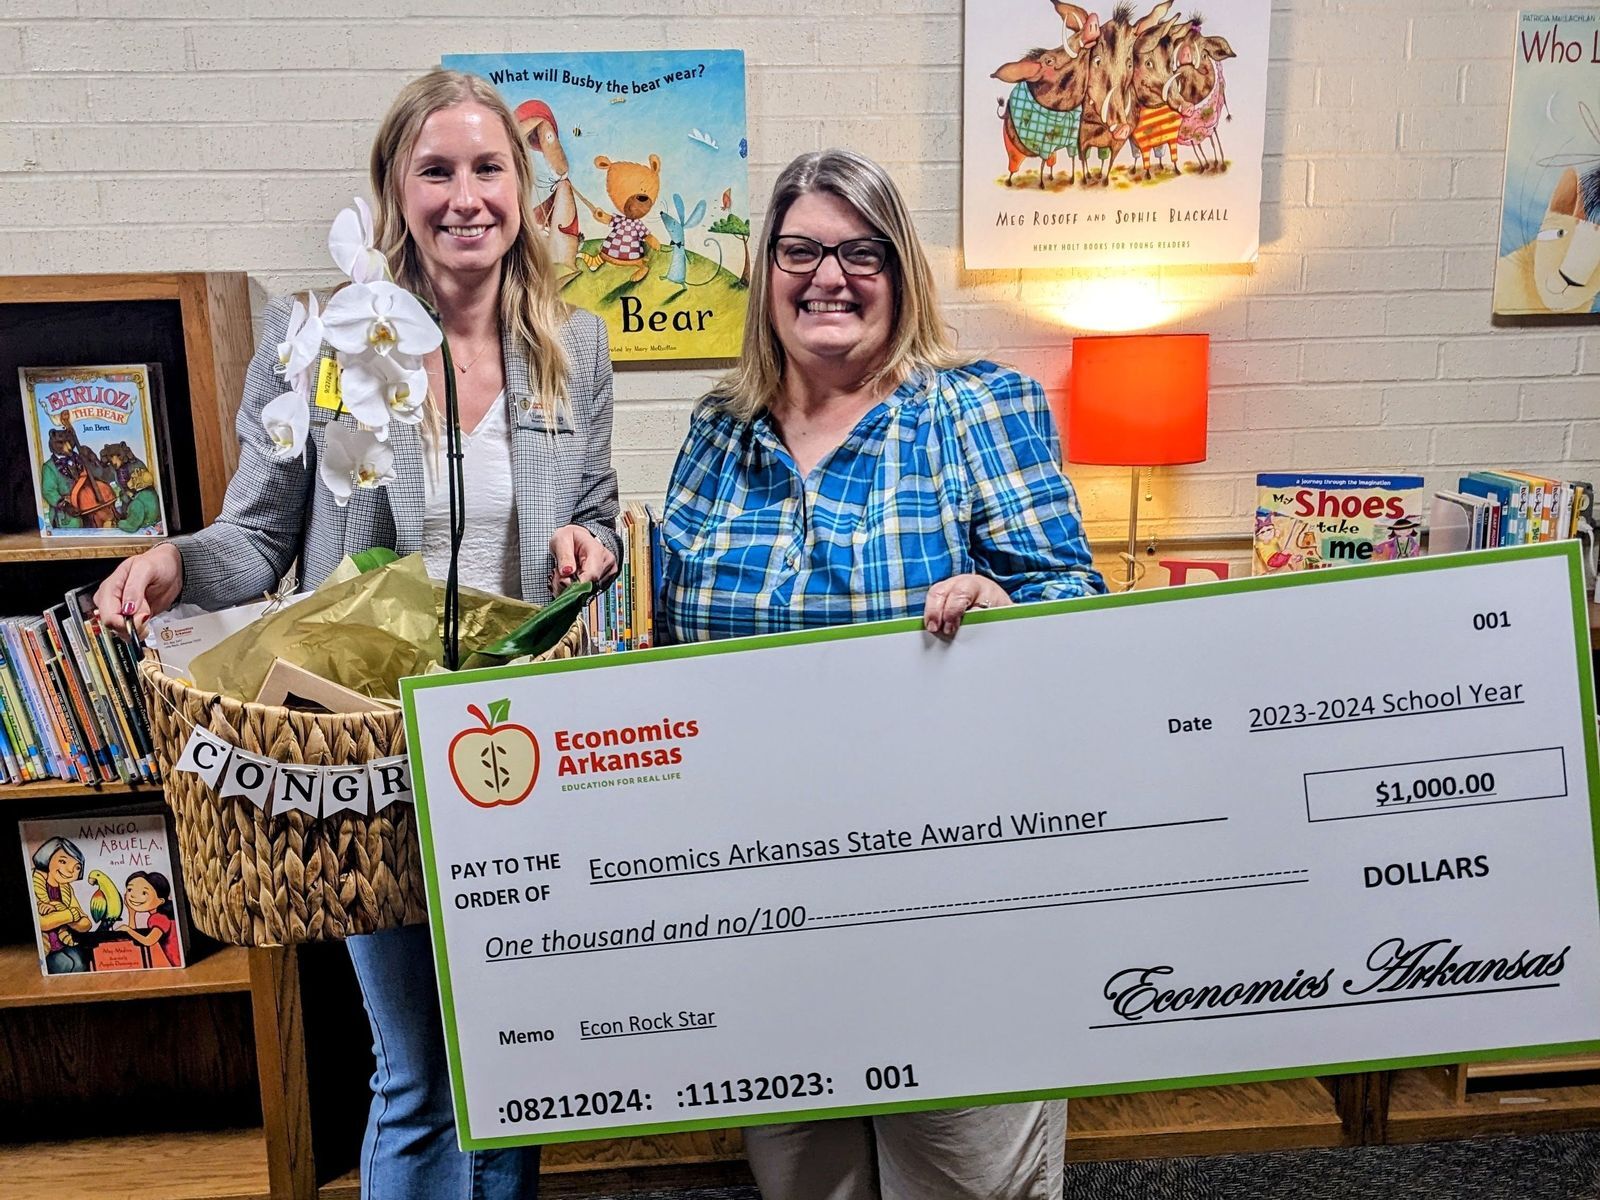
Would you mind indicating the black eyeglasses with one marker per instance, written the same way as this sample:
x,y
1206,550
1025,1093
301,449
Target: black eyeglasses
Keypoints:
x,y
795,255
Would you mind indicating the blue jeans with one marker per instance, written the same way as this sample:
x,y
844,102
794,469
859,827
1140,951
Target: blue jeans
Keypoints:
x,y
410,1151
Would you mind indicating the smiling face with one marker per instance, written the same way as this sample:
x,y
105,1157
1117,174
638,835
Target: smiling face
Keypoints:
x,y
64,868
460,192
828,315
140,896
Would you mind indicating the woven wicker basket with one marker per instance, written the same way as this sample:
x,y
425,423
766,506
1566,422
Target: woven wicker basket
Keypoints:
x,y
253,880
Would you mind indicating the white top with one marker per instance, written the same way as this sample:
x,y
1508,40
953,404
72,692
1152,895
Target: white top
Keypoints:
x,y
491,557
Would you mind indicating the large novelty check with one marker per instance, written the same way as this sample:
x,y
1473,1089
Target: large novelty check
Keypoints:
x,y
1325,822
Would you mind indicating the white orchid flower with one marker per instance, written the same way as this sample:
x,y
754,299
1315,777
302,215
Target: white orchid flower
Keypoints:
x,y
381,318
287,421
353,458
303,342
380,388
350,242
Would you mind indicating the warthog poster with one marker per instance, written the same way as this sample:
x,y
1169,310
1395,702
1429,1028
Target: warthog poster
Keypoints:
x,y
1549,236
1130,136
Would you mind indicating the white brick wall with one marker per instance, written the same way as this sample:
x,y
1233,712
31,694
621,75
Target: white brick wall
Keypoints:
x,y
145,135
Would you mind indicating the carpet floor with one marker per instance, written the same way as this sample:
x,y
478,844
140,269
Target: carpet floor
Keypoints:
x,y
1555,1166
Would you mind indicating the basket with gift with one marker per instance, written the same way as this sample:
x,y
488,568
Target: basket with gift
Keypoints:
x,y
284,749
283,746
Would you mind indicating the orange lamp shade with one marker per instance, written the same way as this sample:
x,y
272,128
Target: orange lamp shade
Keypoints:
x,y
1138,400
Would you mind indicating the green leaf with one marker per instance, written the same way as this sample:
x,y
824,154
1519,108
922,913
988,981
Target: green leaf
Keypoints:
x,y
372,559
499,711
545,628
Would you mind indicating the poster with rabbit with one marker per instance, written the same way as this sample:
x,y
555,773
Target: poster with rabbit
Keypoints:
x,y
641,189
1549,237
1124,138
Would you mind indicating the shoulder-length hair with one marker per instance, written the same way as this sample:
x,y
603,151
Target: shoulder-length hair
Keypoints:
x,y
47,850
919,338
530,307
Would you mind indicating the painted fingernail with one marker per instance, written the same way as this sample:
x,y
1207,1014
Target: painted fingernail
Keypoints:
x,y
565,571
127,609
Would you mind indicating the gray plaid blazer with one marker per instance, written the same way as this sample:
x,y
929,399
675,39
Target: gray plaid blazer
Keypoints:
x,y
275,510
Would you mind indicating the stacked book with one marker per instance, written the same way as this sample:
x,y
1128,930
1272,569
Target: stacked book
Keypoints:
x,y
70,705
1509,508
623,617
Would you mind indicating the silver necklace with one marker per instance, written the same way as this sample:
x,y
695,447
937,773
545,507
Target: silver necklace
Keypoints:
x,y
465,367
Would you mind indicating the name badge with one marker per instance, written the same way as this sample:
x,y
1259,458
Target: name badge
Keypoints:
x,y
530,413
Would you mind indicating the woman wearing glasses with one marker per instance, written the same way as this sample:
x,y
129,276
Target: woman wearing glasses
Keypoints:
x,y
855,467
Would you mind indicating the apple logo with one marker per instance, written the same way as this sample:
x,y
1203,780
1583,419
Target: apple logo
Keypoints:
x,y
497,764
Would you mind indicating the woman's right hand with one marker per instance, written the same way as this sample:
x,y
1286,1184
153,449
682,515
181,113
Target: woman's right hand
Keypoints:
x,y
140,587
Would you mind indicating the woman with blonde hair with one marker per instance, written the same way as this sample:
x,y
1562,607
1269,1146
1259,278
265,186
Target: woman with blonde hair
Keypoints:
x,y
454,224
856,467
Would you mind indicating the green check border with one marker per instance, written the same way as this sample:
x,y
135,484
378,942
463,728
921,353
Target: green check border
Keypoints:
x,y
409,688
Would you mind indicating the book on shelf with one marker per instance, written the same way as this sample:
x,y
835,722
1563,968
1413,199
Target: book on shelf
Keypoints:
x,y
623,615
1505,507
70,704
1310,521
104,892
97,459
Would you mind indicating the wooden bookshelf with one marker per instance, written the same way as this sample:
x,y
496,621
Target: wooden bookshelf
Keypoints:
x,y
1525,1068
22,985
225,1165
214,314
46,789
239,1032
1425,1106
1288,1114
34,547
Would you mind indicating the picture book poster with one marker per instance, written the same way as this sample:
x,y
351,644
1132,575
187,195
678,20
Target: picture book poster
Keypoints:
x,y
93,449
103,893
1306,522
1128,137
1549,240
641,189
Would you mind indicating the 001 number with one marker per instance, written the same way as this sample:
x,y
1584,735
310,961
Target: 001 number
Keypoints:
x,y
889,1078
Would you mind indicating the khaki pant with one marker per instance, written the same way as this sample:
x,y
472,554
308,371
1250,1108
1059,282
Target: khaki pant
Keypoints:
x,y
1003,1152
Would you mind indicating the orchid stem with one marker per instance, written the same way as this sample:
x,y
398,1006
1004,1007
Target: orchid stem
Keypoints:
x,y
458,501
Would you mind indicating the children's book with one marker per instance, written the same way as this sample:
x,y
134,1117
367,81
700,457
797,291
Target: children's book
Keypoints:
x,y
641,188
1305,522
104,893
1548,241
92,441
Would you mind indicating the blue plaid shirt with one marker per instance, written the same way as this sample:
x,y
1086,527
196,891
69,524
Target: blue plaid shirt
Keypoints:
x,y
956,472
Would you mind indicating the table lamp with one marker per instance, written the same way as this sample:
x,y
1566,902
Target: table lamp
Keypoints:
x,y
1138,400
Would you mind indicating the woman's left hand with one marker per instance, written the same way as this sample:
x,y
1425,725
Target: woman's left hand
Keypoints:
x,y
950,600
579,555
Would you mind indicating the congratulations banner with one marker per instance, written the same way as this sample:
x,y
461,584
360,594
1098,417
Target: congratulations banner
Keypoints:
x,y
1157,839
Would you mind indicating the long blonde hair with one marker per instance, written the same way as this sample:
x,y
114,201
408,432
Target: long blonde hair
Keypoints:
x,y
919,339
530,307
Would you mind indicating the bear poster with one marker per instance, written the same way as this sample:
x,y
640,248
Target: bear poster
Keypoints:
x,y
641,189
1549,239
1129,137
92,441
